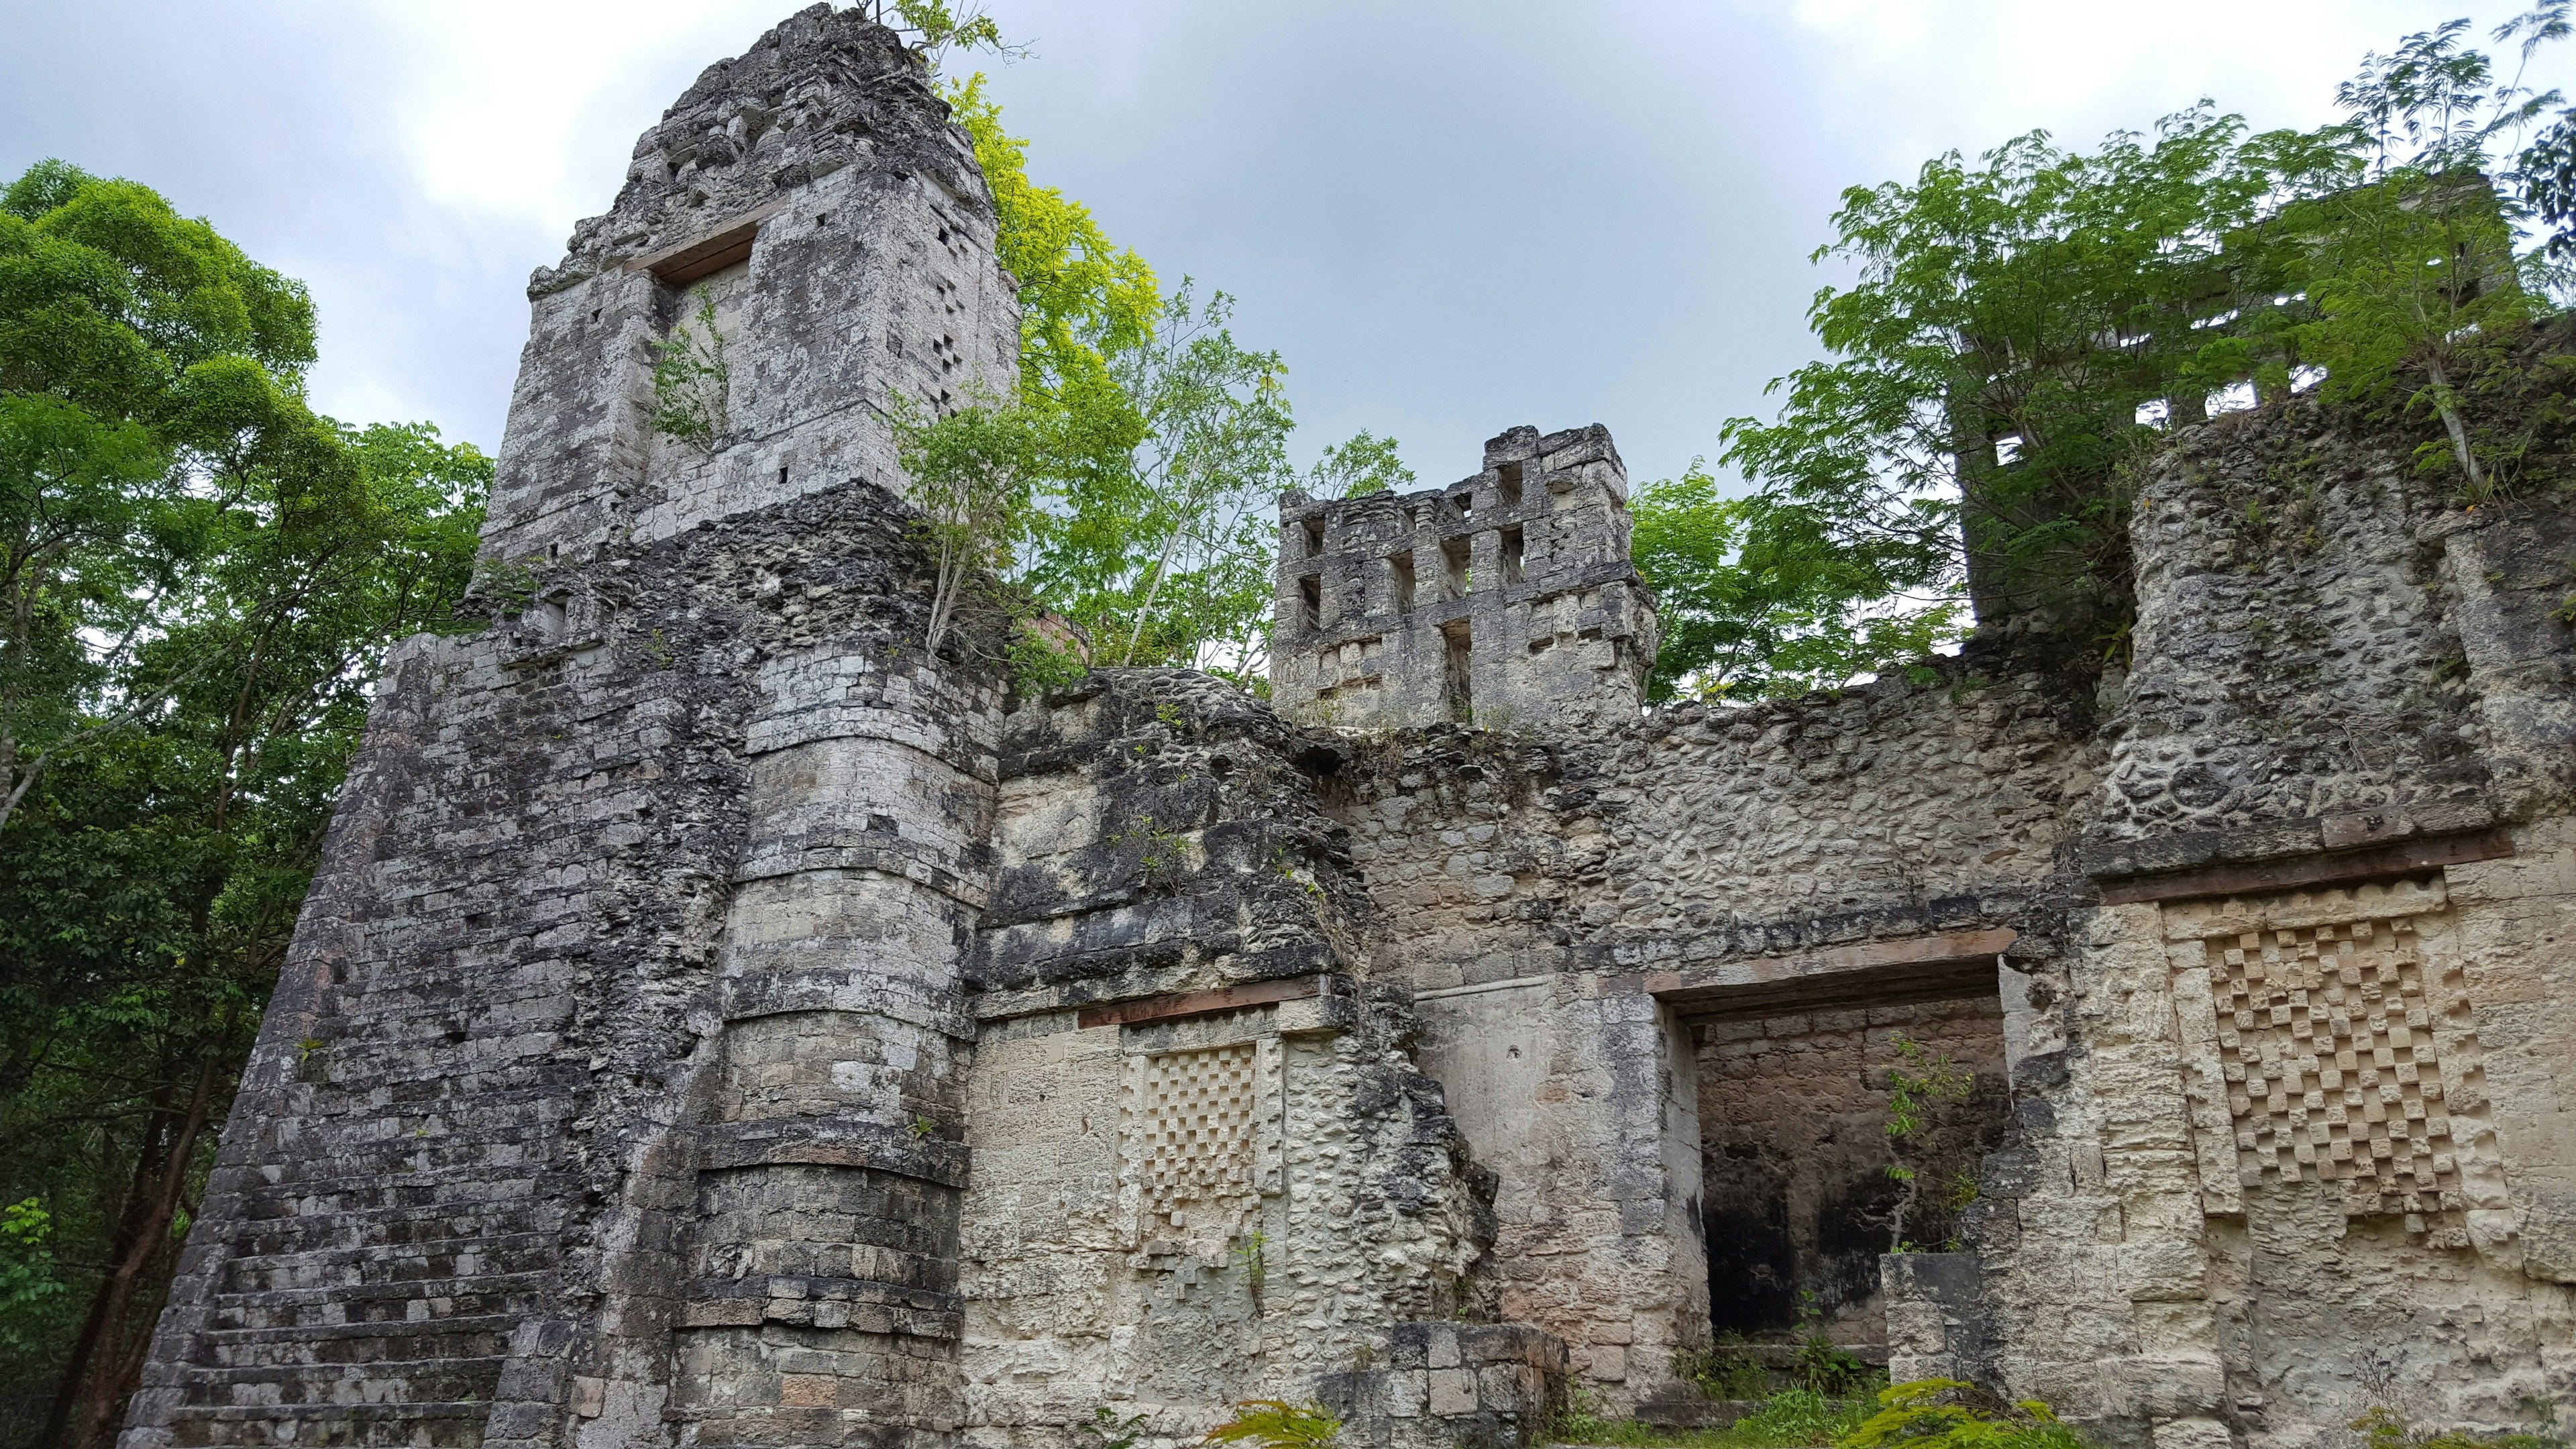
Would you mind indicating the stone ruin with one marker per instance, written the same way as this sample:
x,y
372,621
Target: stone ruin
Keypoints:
x,y
1381,621
718,1023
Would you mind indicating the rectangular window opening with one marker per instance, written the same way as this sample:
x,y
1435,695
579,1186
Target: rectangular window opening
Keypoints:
x,y
1400,582
1310,602
1509,485
1512,554
1453,557
1314,537
1454,686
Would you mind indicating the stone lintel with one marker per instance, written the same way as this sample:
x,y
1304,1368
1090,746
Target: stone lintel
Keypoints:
x,y
2382,862
684,262
1203,1003
1953,963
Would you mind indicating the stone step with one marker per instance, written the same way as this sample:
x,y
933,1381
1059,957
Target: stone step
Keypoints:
x,y
348,1385
448,1340
296,1310
455,1424
379,1229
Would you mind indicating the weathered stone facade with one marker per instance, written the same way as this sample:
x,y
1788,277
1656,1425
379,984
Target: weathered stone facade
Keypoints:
x,y
1504,600
718,1022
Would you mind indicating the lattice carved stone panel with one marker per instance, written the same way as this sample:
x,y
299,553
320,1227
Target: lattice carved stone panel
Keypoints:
x,y
2342,1049
1198,1135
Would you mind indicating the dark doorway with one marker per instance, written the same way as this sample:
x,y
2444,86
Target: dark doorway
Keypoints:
x,y
1796,1198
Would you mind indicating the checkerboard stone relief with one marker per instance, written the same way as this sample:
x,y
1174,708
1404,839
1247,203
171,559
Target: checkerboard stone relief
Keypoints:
x,y
1189,1133
2325,1036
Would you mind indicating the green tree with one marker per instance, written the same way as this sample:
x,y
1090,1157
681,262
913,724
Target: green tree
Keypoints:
x,y
1755,599
1165,438
2018,330
201,575
941,27
1361,464
1083,298
974,475
151,396
1214,452
2412,272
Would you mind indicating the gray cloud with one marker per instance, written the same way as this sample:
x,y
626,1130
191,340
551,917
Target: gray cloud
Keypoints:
x,y
1450,216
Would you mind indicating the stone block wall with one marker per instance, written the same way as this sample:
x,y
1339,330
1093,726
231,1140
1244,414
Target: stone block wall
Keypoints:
x,y
814,192
2272,1180
719,1022
1566,905
1795,1154
613,1084
1506,598
462,1188
1445,1384
1205,1167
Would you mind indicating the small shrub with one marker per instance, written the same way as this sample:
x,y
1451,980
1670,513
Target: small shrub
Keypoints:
x,y
1278,1424
1108,1429
1038,664
691,380
1722,1369
1948,1414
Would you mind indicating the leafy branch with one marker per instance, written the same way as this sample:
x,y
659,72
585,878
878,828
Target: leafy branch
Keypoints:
x,y
692,385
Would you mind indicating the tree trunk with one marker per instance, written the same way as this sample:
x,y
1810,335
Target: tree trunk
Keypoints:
x,y
2451,424
107,1358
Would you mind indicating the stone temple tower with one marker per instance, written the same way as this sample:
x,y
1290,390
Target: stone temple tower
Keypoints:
x,y
612,1088
1506,598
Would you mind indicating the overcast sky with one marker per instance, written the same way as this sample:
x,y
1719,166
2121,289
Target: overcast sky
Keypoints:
x,y
1451,217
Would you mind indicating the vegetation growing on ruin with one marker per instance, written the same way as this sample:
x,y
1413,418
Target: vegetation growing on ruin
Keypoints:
x,y
1158,443
1279,1424
1791,1418
1924,1414
198,576
2027,327
692,385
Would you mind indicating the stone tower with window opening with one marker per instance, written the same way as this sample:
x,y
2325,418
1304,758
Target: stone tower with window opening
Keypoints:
x,y
1504,598
716,1024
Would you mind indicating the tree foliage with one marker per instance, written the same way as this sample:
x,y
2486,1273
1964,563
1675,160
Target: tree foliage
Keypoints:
x,y
2019,328
2023,328
200,574
972,474
1756,599
2411,275
1164,439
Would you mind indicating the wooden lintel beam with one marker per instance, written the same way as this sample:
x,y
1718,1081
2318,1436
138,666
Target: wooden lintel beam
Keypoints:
x,y
2353,867
1947,962
1178,1004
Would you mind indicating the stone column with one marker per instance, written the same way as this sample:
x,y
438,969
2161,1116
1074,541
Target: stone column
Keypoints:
x,y
823,1271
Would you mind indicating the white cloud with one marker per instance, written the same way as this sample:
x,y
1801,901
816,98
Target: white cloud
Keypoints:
x,y
1910,78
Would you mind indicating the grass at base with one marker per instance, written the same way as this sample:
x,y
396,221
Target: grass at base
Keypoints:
x,y
1790,1419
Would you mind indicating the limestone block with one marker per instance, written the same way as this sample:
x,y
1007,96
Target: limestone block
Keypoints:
x,y
2194,1434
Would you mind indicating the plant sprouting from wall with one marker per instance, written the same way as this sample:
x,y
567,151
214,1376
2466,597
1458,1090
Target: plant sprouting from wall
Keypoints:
x,y
1950,1414
692,386
1918,1089
1278,1424
1108,1429
1160,850
1250,1255
974,474
1723,1368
